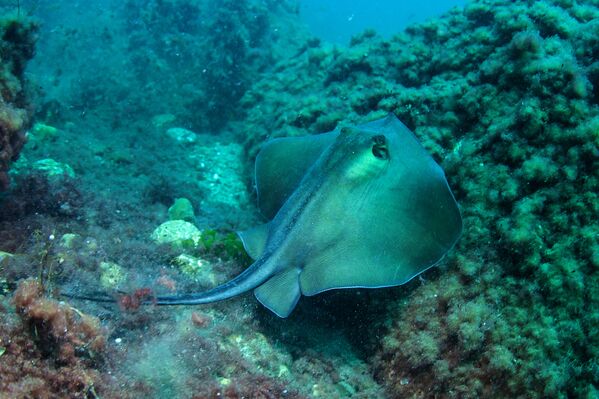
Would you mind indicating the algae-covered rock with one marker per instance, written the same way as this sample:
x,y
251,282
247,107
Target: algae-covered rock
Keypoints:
x,y
182,209
197,269
69,240
53,169
182,135
179,233
42,132
257,349
111,275
17,42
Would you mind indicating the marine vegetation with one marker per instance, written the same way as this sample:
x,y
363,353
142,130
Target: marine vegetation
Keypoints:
x,y
505,95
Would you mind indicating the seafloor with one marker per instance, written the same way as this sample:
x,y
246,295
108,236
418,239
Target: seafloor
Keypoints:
x,y
132,107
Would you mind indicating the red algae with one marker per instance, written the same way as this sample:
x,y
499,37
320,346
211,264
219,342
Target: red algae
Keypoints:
x,y
134,301
52,350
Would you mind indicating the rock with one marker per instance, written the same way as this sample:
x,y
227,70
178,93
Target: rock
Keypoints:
x,y
43,132
221,177
182,135
53,169
111,274
178,233
198,269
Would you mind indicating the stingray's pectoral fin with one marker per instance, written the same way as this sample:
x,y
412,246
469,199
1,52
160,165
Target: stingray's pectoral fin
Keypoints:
x,y
281,292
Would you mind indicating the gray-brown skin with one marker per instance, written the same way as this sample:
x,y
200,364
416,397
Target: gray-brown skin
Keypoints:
x,y
361,206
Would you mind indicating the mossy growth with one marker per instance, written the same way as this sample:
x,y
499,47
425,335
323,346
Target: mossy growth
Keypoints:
x,y
196,268
42,132
224,245
112,275
182,209
185,237
504,96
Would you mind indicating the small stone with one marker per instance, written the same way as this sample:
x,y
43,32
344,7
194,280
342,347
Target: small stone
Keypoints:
x,y
349,390
196,268
111,274
43,132
53,169
178,233
182,135
316,391
283,371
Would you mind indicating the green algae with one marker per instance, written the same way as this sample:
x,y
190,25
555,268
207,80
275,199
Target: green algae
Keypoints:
x,y
42,132
504,95
182,209
227,245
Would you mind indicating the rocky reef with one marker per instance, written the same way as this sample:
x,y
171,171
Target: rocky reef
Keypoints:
x,y
17,39
504,94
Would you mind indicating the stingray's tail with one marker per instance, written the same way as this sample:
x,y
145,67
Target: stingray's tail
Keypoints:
x,y
94,296
249,279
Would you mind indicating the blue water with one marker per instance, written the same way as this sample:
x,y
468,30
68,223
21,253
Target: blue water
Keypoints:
x,y
337,21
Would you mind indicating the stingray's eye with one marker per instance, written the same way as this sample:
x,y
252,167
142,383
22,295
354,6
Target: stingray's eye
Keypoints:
x,y
379,147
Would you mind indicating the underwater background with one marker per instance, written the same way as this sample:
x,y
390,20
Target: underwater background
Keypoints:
x,y
128,134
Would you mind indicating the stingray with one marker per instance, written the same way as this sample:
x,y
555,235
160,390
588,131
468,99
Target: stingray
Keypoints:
x,y
358,207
